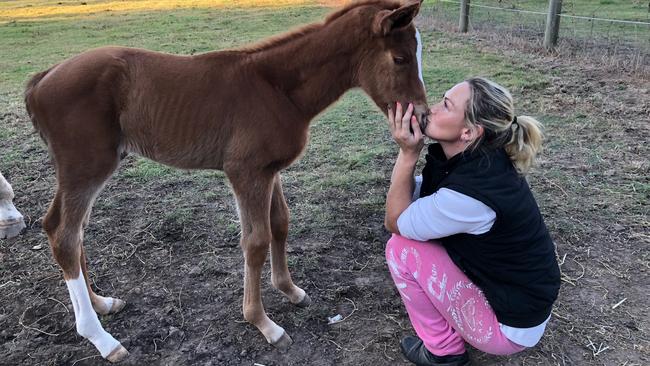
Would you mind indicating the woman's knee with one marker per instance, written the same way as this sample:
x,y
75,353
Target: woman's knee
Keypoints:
x,y
397,242
394,242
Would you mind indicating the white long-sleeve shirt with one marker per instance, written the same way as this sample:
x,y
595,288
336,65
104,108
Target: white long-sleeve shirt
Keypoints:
x,y
447,212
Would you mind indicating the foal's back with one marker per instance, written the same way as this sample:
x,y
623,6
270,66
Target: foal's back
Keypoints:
x,y
184,111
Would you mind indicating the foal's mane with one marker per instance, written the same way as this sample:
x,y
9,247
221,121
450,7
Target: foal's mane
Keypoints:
x,y
283,39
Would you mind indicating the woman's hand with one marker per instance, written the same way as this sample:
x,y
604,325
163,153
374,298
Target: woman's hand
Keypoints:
x,y
405,130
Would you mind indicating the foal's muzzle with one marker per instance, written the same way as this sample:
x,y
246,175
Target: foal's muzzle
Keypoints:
x,y
423,121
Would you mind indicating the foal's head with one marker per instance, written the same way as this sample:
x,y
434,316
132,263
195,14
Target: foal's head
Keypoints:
x,y
391,68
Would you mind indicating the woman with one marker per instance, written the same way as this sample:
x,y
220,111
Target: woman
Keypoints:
x,y
470,254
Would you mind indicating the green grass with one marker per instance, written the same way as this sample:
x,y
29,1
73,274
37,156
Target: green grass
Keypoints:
x,y
38,44
144,169
347,140
4,133
349,143
10,158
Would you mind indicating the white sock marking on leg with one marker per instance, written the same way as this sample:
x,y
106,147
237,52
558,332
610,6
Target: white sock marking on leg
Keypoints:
x,y
88,325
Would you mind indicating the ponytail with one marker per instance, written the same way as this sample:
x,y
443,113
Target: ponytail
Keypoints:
x,y
525,142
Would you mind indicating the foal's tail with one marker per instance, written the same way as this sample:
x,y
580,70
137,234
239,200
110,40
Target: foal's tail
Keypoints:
x,y
29,90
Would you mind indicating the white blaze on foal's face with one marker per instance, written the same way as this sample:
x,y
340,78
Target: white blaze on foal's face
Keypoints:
x,y
418,53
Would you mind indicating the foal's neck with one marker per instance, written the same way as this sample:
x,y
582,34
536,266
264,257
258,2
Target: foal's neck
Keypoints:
x,y
315,69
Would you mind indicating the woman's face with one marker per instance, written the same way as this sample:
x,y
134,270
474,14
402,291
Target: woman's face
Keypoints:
x,y
447,118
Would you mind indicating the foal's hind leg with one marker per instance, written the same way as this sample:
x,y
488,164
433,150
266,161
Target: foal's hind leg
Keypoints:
x,y
280,276
253,191
78,184
102,305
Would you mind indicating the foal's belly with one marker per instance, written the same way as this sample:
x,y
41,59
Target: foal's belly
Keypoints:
x,y
176,150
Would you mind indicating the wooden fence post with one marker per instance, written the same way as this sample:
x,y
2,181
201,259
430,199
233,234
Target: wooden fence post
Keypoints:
x,y
552,24
464,16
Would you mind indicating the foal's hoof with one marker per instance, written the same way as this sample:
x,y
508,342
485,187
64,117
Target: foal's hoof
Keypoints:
x,y
109,305
118,354
305,302
117,306
283,343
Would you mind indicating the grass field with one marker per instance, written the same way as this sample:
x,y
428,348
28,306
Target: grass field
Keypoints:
x,y
166,240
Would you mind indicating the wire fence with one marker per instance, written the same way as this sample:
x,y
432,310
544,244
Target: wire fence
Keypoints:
x,y
619,43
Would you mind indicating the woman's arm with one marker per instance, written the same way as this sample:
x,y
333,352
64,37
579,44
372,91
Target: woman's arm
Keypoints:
x,y
401,189
402,183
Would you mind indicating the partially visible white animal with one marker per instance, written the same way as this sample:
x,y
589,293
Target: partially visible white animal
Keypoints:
x,y
11,221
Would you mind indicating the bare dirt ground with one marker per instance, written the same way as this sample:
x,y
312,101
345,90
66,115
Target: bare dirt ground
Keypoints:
x,y
169,248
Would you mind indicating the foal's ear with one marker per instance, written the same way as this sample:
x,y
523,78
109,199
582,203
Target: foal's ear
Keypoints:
x,y
388,20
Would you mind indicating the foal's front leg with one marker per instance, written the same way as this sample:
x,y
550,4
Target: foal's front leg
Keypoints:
x,y
280,276
253,192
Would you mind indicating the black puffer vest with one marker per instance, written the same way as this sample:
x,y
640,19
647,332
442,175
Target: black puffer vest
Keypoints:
x,y
514,262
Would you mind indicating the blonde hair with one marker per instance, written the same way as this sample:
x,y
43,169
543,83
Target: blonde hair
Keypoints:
x,y
490,106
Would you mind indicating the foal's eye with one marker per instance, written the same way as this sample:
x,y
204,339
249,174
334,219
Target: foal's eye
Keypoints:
x,y
399,60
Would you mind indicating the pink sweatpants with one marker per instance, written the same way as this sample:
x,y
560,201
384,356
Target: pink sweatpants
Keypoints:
x,y
446,309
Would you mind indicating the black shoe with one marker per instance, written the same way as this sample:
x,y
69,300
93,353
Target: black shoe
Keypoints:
x,y
416,352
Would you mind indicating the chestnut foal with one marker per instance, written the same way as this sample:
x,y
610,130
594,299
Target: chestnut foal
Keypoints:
x,y
244,111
